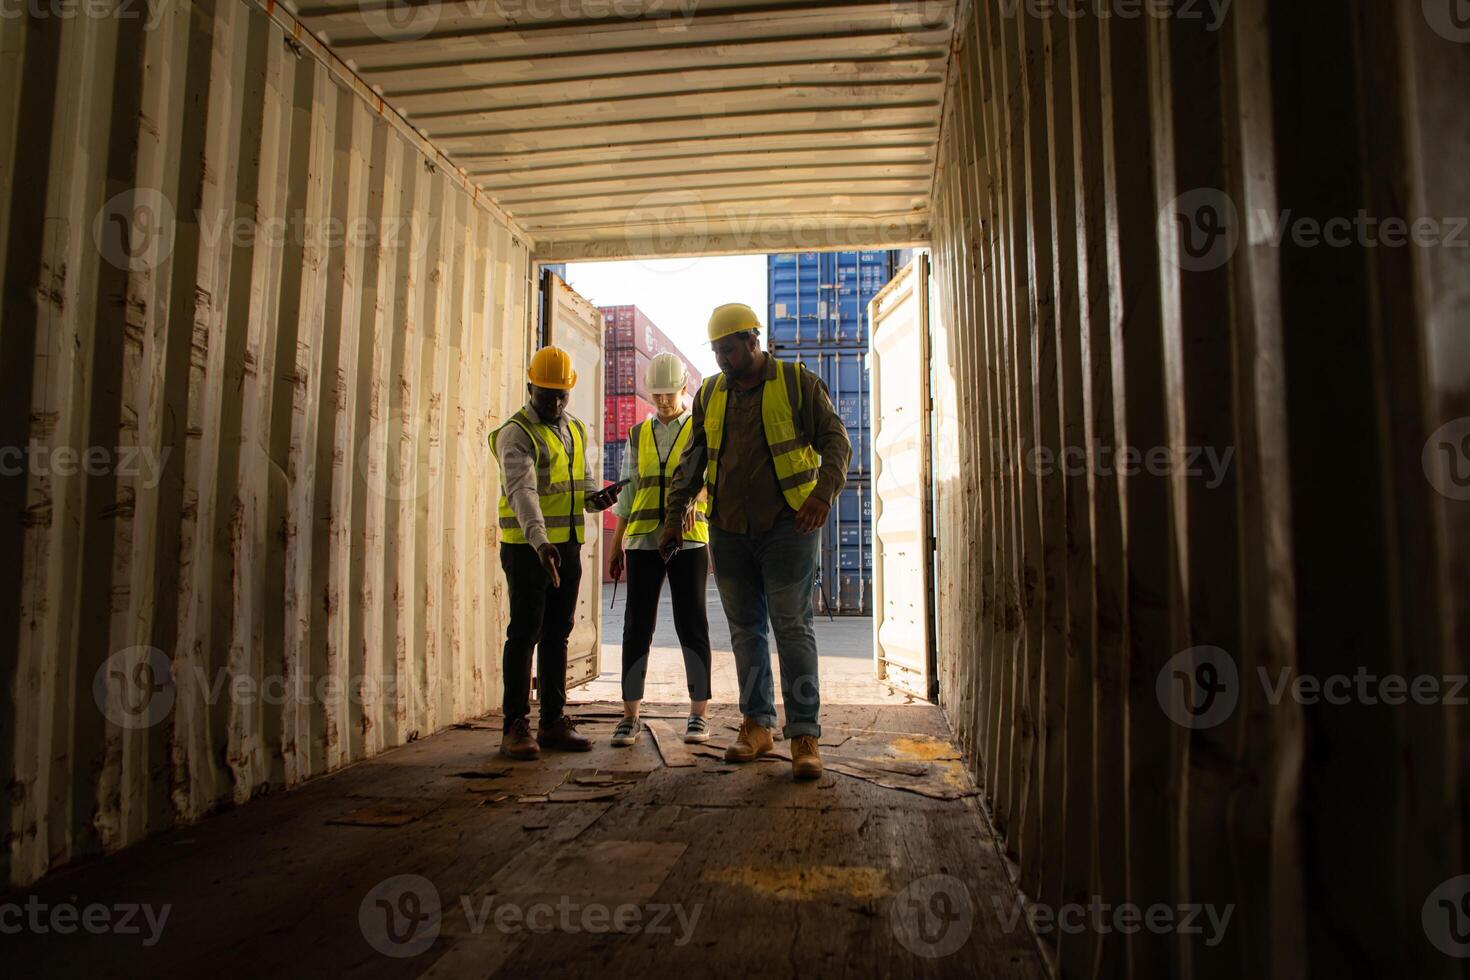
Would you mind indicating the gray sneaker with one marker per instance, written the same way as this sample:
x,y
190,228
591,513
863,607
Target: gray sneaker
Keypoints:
x,y
697,730
627,731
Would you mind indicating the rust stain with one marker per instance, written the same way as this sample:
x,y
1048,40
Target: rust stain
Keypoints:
x,y
801,884
37,514
52,289
43,425
953,772
922,748
122,508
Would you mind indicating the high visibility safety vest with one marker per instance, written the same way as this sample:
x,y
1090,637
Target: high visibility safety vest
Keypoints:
x,y
795,459
560,482
655,475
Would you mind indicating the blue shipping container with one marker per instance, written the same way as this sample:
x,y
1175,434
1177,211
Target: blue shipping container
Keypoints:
x,y
821,298
843,370
847,552
612,460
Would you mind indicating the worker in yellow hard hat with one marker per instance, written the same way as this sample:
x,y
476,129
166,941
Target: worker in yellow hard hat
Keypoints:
x,y
772,453
546,488
655,447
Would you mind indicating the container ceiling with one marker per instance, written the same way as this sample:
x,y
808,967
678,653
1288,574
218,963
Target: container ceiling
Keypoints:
x,y
612,128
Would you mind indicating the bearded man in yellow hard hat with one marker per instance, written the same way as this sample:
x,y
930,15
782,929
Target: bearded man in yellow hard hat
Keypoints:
x,y
546,488
772,453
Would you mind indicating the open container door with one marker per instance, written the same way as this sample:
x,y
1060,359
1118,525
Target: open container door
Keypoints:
x,y
575,325
903,522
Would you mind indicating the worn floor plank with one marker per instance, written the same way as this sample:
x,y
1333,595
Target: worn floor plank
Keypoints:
x,y
705,869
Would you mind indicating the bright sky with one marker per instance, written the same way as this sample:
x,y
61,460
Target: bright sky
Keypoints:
x,y
677,294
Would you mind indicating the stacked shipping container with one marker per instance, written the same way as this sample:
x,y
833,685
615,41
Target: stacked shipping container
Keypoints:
x,y
818,315
635,339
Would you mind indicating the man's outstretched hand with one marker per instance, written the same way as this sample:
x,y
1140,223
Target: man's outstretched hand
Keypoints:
x,y
551,563
604,498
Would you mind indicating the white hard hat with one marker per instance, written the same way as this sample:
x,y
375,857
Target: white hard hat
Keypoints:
x,y
665,375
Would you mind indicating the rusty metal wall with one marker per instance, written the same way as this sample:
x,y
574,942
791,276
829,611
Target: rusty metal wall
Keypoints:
x,y
256,335
1107,207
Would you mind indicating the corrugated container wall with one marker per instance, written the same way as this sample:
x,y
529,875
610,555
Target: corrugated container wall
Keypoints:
x,y
287,513
1111,634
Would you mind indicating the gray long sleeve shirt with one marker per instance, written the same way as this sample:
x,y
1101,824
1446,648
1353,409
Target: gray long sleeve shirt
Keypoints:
x,y
517,456
748,498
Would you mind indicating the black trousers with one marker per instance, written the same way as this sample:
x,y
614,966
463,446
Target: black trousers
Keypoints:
x,y
687,572
541,617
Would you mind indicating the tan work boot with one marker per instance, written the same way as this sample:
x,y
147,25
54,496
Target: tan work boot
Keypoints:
x,y
806,759
753,742
517,742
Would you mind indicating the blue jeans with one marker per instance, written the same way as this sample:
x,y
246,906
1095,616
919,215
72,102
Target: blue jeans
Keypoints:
x,y
771,575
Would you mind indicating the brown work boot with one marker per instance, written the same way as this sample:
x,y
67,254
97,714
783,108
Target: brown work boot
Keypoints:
x,y
806,760
561,733
753,742
517,742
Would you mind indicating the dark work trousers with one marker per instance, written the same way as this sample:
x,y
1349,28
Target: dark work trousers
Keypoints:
x,y
687,572
541,617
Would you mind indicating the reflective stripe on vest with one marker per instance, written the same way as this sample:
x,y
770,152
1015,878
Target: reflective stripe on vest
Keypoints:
x,y
562,495
796,460
654,477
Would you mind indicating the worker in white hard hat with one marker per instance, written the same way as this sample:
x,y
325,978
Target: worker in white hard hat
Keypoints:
x,y
546,491
772,453
655,447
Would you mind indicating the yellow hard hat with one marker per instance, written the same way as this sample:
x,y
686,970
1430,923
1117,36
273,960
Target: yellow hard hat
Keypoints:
x,y
551,367
665,374
731,318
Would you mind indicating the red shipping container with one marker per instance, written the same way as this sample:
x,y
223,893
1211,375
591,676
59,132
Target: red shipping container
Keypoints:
x,y
632,340
623,372
694,376
621,413
651,340
628,326
618,325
